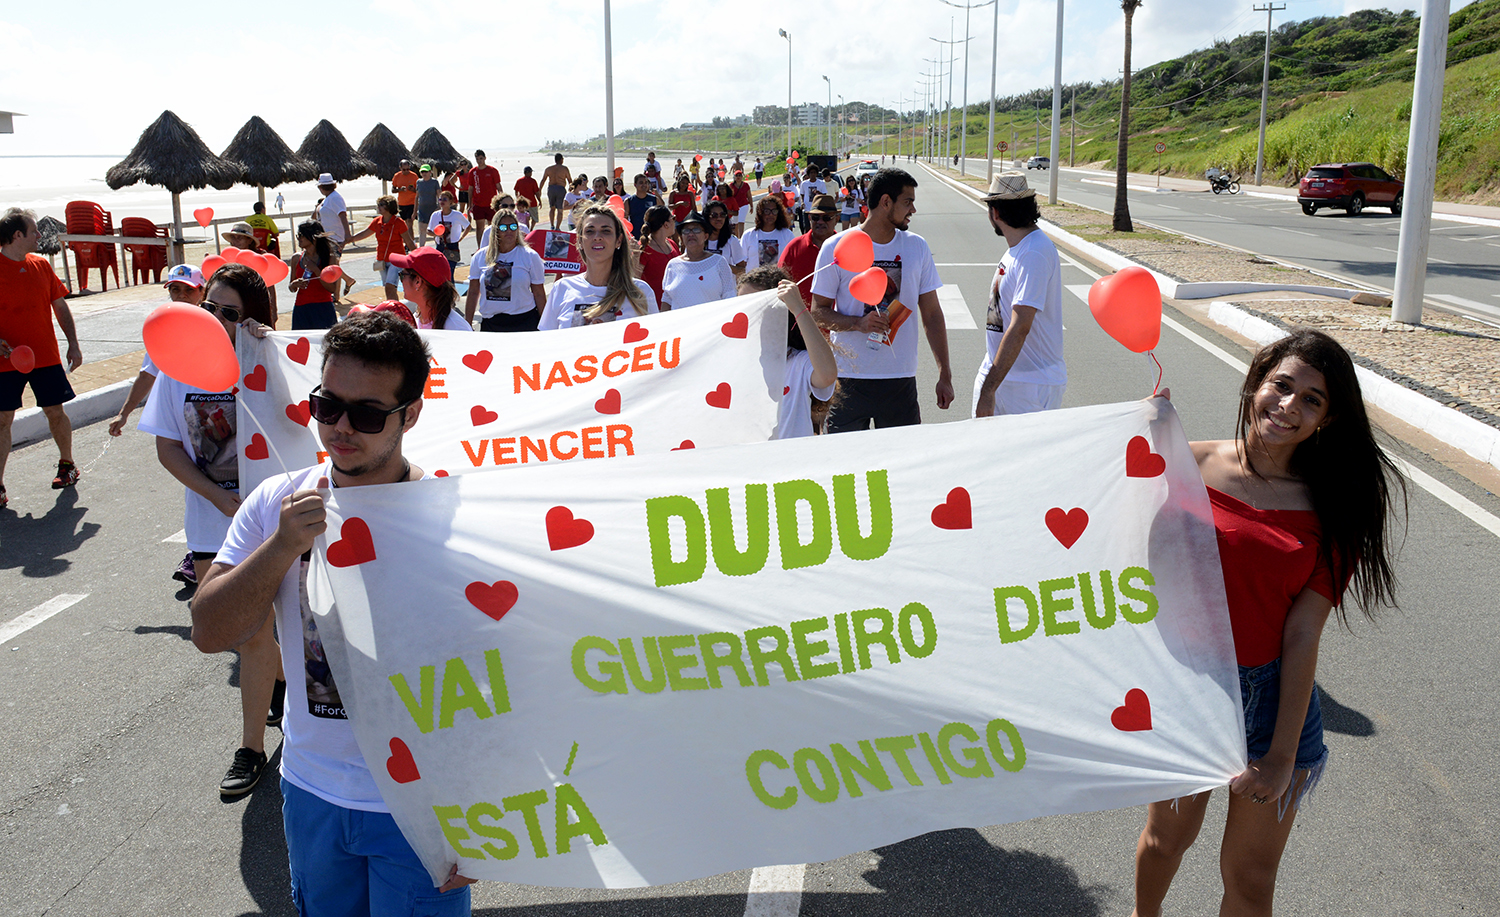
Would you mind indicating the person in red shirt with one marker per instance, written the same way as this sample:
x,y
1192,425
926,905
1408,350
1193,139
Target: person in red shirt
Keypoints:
x,y
28,290
465,185
392,236
486,184
529,194
800,256
1301,498
739,191
683,201
657,248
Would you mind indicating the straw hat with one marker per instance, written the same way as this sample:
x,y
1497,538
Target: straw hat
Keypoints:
x,y
242,231
1009,186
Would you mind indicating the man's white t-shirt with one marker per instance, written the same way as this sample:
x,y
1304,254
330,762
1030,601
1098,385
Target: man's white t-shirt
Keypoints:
x,y
204,423
764,248
810,190
328,215
319,753
733,250
1030,274
910,272
570,296
505,286
693,283
794,414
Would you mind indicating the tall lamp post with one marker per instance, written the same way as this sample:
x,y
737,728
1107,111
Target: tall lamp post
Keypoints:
x,y
787,35
963,130
1056,152
843,125
609,97
829,117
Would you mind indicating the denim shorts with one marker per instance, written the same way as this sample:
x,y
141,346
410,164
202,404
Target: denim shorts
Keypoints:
x,y
1260,693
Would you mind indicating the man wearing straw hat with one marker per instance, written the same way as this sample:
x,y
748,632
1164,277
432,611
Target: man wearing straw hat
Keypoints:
x,y
1023,369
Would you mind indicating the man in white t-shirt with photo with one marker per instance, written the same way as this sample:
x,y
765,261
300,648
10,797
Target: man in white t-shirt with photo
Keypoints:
x,y
346,853
1023,369
877,345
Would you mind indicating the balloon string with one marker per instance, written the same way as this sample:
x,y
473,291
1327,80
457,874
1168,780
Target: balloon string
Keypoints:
x,y
269,441
1159,371
90,465
823,268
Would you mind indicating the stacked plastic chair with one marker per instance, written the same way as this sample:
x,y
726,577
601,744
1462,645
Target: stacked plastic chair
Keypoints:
x,y
146,261
86,218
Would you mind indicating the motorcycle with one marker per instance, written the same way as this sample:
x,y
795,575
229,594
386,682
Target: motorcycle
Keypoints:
x,y
1224,183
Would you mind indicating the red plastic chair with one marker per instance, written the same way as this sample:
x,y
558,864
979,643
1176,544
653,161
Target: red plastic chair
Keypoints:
x,y
146,261
86,218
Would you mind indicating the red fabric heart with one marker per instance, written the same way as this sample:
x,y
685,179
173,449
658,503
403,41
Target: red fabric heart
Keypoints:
x,y
719,397
610,403
255,380
440,473
737,327
700,276
1140,461
299,351
299,413
257,449
494,600
635,332
1067,526
1135,714
686,444
400,765
563,531
954,513
480,416
479,362
354,545
786,390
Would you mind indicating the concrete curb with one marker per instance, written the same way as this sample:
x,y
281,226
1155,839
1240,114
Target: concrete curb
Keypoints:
x,y
1455,428
90,407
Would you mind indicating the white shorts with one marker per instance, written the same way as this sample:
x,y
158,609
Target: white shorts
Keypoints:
x,y
744,215
1019,397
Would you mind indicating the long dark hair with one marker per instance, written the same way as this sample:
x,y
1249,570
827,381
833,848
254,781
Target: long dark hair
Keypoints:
x,y
1348,476
322,243
656,217
441,298
728,230
250,287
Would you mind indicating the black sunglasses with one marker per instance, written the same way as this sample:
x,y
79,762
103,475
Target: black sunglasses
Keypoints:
x,y
362,417
230,314
813,218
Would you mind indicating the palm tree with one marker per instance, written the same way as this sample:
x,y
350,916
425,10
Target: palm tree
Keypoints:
x,y
1122,152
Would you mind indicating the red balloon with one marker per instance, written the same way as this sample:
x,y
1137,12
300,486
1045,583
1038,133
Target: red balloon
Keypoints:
x,y
796,154
204,216
440,229
331,273
210,264
1127,305
869,286
189,344
854,252
231,255
255,261
23,359
698,158
790,162
275,272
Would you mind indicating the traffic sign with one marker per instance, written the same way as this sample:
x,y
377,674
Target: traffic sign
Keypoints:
x,y
1161,148
1002,146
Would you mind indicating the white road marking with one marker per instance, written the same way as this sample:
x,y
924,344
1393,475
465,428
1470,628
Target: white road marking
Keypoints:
x,y
1301,233
1460,301
1081,290
1440,260
956,312
775,891
20,625
1169,207
1379,249
1206,344
179,538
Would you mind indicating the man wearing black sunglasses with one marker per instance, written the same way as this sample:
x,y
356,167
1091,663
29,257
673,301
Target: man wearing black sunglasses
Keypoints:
x,y
341,840
800,256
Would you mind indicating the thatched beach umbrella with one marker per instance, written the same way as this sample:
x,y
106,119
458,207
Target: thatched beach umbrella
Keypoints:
x,y
385,151
433,147
327,149
172,155
264,159
49,228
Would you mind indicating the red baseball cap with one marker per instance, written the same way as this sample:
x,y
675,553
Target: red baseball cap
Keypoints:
x,y
428,262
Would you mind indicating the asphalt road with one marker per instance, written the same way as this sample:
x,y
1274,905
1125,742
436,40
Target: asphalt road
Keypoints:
x,y
1463,262
115,731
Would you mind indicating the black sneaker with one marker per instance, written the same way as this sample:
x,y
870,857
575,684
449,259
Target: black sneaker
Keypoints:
x,y
278,704
185,573
244,773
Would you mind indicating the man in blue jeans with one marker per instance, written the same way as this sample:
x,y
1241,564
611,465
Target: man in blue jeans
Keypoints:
x,y
347,855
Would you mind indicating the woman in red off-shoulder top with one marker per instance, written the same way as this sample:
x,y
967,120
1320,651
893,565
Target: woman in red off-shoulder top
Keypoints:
x,y
1300,499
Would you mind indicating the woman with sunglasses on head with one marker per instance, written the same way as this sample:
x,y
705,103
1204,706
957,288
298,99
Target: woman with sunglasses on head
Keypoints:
x,y
657,246
695,277
1302,498
772,232
505,279
197,442
427,281
313,307
721,237
608,288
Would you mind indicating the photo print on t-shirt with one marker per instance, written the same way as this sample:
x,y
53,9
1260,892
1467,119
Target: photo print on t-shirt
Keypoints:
x,y
993,321
323,699
895,311
769,249
497,282
211,433
579,320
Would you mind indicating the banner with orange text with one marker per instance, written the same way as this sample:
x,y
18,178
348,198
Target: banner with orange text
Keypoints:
x,y
705,376
658,668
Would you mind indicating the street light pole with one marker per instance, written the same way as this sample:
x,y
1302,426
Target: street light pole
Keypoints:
x,y
787,35
963,130
1056,151
843,127
609,97
828,115
994,68
1265,90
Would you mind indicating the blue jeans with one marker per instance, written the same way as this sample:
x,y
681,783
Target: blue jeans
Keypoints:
x,y
346,863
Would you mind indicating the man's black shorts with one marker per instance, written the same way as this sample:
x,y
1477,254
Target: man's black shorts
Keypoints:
x,y
884,402
406,210
48,383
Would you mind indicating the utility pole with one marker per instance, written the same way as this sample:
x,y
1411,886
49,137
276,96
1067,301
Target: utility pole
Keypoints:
x,y
785,34
994,67
963,129
1072,126
1053,152
609,96
1421,163
1265,89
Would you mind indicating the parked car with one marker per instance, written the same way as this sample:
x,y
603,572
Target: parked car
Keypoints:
x,y
1350,186
867,167
1039,162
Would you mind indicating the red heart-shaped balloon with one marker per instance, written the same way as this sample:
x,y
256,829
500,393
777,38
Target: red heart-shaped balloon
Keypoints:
x,y
204,216
1127,305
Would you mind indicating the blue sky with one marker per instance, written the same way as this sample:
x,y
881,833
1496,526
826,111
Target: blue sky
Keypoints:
x,y
511,75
